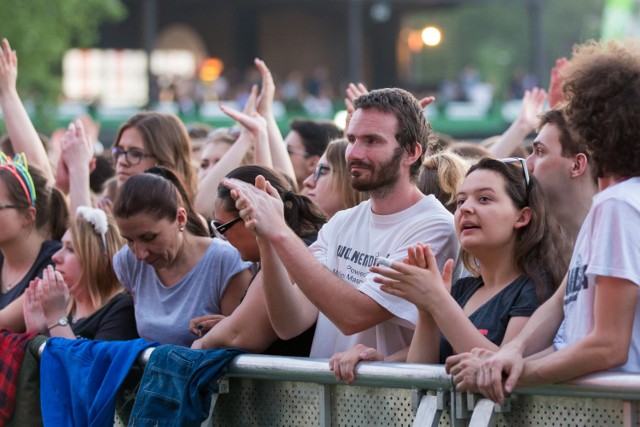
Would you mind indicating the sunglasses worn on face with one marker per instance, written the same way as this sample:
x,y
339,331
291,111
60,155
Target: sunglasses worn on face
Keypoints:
x,y
133,157
523,163
219,229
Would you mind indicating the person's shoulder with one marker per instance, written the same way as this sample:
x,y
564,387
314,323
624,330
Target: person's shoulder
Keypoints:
x,y
627,191
122,299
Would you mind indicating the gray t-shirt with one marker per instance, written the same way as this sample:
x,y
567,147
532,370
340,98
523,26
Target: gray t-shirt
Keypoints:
x,y
162,313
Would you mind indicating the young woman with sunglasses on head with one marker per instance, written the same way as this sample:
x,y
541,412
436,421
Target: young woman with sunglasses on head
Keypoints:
x,y
82,296
511,247
33,217
172,267
249,326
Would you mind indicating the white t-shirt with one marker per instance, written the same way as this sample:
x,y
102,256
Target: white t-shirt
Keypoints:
x,y
608,244
163,313
353,240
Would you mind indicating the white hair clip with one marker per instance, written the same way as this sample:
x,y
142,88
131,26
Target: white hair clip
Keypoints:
x,y
97,218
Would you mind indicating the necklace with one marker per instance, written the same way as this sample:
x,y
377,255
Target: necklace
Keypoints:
x,y
9,282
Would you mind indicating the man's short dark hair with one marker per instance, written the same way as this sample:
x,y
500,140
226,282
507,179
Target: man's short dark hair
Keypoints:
x,y
413,127
315,134
570,146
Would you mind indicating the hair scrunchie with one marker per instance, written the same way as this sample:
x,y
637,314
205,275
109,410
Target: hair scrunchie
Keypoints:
x,y
288,196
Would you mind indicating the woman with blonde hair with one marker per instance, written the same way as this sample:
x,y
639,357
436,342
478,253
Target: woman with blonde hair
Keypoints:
x,y
82,296
442,175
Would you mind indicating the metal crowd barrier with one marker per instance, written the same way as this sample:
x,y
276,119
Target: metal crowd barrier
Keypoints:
x,y
264,390
287,391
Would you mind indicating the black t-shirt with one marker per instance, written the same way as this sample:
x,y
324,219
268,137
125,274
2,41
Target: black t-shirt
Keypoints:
x,y
115,321
299,346
492,318
48,248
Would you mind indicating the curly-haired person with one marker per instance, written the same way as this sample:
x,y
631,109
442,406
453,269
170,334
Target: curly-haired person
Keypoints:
x,y
592,323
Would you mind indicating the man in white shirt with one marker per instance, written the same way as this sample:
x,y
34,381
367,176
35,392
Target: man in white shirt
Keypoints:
x,y
388,135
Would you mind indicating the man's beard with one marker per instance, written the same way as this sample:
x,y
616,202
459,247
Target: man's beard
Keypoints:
x,y
382,178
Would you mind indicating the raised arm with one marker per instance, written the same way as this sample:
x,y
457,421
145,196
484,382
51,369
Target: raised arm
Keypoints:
x,y
349,309
556,96
280,157
24,137
290,311
532,105
204,200
77,158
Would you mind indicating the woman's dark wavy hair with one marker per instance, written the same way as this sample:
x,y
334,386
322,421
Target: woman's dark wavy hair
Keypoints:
x,y
302,215
539,252
602,86
52,213
158,192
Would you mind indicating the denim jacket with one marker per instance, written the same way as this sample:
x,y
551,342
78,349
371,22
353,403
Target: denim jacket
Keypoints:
x,y
178,384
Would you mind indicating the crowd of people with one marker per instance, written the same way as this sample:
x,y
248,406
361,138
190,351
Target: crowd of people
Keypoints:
x,y
511,263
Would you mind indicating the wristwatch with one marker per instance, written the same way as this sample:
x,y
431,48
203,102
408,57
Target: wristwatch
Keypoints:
x,y
62,322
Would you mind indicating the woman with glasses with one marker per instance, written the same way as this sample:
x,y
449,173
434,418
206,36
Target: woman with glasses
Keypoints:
x,y
174,270
33,217
149,139
511,247
249,327
329,186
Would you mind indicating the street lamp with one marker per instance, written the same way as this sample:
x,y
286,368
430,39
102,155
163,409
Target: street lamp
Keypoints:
x,y
431,36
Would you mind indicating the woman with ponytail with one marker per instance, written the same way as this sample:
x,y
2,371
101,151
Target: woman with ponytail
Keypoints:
x,y
249,326
171,266
33,218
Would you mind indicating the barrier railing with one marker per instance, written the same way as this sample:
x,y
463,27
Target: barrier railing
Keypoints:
x,y
278,391
270,390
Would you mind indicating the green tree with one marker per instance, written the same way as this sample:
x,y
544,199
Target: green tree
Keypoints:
x,y
42,30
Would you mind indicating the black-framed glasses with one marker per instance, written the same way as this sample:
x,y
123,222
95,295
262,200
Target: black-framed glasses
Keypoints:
x,y
219,229
523,163
320,171
133,157
302,153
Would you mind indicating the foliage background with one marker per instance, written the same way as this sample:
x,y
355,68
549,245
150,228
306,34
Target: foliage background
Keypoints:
x,y
41,31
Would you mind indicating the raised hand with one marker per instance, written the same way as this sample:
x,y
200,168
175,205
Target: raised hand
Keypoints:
x,y
53,294
418,281
34,317
76,148
531,107
254,128
556,96
344,364
8,68
260,206
267,92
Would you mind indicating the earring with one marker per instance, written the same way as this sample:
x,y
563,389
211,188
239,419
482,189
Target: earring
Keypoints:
x,y
181,228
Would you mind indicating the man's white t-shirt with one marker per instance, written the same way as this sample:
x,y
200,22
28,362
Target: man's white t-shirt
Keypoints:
x,y
352,241
608,244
